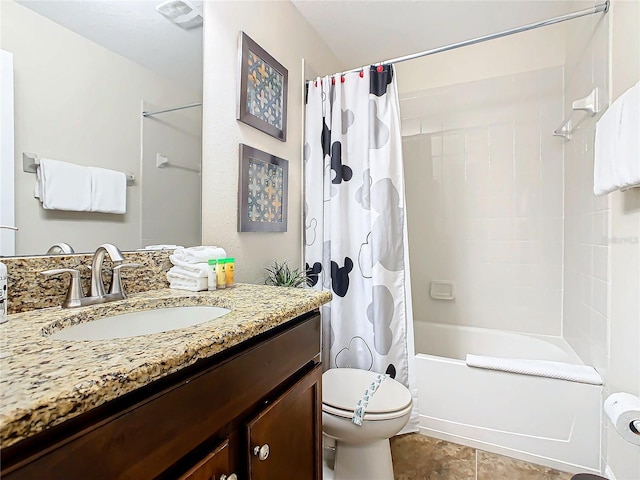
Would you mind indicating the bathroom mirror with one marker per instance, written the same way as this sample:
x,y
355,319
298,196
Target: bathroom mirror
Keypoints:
x,y
83,73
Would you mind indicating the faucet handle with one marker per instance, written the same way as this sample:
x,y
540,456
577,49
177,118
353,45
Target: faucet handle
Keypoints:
x,y
116,279
74,292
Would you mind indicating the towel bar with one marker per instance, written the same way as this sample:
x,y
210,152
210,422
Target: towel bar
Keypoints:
x,y
589,104
30,162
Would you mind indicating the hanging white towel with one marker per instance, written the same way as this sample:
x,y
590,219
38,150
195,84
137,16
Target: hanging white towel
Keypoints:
x,y
108,191
63,186
617,145
200,254
537,368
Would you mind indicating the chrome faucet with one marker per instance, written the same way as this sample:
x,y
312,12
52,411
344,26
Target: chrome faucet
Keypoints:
x,y
75,295
97,285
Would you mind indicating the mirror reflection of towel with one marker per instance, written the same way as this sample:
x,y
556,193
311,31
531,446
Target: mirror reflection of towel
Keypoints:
x,y
66,186
63,186
108,191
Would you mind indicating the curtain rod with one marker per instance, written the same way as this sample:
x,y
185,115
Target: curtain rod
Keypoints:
x,y
602,7
150,114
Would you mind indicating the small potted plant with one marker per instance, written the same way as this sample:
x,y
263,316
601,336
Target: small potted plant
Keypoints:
x,y
281,275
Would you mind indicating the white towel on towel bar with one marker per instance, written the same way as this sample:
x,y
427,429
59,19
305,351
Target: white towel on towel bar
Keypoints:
x,y
617,147
63,186
538,368
108,191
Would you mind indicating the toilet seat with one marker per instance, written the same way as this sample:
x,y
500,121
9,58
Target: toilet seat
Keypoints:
x,y
369,417
342,388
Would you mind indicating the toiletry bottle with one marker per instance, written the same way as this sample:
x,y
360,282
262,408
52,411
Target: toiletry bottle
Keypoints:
x,y
211,275
228,271
4,292
220,275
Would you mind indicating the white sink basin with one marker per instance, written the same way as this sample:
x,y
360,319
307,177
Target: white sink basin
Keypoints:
x,y
135,324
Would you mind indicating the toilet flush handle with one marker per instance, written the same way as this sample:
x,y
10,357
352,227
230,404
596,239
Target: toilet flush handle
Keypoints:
x,y
261,452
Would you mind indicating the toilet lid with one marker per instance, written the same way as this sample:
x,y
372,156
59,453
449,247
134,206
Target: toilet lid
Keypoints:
x,y
343,387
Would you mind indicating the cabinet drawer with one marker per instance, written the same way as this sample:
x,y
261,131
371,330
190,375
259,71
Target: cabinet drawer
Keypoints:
x,y
212,467
146,438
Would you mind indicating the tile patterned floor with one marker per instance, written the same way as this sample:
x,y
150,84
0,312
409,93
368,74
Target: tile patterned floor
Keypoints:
x,y
417,457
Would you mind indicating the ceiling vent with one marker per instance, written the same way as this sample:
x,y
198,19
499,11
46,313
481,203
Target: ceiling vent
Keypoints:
x,y
181,12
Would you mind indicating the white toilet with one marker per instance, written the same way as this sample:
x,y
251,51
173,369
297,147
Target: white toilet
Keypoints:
x,y
362,452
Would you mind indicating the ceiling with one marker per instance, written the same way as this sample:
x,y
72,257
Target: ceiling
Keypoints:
x,y
133,29
358,32
364,32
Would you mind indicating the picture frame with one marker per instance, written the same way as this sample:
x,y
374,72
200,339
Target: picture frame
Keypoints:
x,y
262,89
262,191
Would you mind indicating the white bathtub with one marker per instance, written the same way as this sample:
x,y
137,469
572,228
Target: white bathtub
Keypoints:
x,y
546,421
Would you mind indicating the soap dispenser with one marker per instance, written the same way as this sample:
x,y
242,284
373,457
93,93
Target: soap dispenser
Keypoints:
x,y
3,286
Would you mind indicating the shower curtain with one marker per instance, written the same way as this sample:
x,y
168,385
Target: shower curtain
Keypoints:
x,y
355,223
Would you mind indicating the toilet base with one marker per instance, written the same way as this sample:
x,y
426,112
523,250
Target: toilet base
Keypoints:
x,y
356,461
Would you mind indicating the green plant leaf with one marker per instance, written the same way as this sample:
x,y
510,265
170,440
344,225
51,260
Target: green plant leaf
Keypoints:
x,y
280,274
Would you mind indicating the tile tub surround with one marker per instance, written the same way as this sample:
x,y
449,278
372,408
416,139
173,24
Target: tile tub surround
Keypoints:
x,y
29,290
44,382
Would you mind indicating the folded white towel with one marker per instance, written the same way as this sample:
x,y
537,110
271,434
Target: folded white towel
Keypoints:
x,y
200,254
195,270
192,269
160,247
186,283
108,191
538,368
617,148
63,186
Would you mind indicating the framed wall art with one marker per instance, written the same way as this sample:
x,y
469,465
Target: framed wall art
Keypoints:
x,y
262,89
262,192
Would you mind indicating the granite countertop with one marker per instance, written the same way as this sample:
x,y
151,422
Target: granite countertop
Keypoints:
x,y
44,382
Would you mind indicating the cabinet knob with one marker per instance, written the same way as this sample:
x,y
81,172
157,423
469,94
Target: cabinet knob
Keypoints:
x,y
261,452
233,476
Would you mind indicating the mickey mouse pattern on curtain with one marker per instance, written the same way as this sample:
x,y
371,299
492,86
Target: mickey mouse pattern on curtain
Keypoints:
x,y
355,231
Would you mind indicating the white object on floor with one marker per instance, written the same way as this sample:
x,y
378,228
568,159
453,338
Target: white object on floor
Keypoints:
x,y
200,254
108,191
363,451
538,368
63,186
617,148
189,269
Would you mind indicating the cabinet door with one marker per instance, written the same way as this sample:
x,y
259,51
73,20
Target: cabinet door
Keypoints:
x,y
285,439
214,466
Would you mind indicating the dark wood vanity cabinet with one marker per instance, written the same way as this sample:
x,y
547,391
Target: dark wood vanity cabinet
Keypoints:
x,y
253,411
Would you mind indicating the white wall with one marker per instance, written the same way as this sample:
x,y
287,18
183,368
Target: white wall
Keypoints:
x,y
171,200
586,216
283,33
78,102
485,181
7,214
624,329
523,52
484,201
